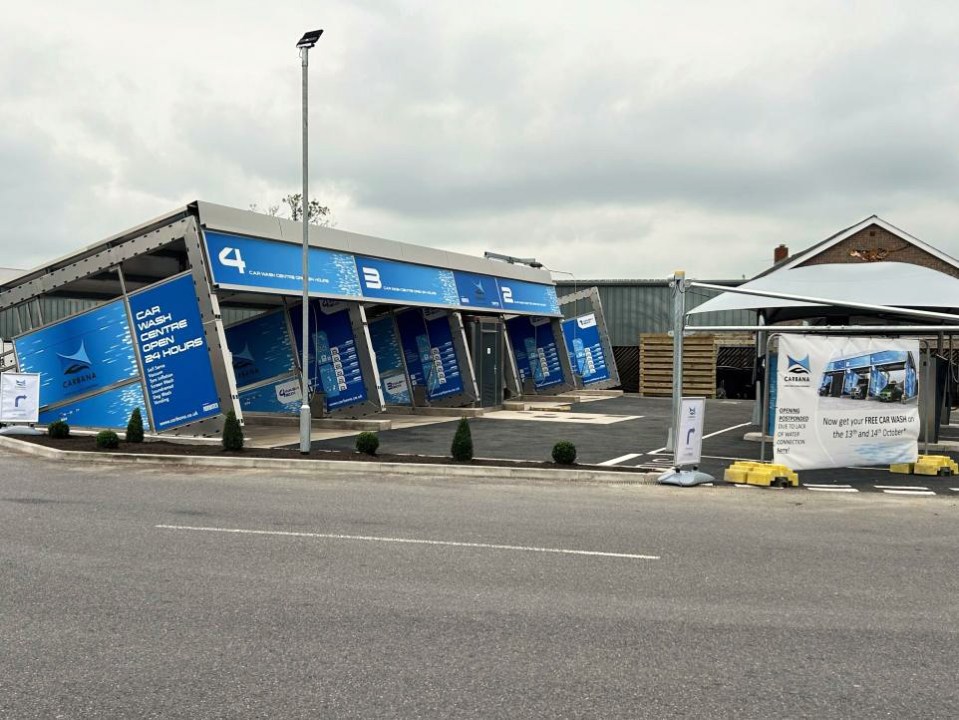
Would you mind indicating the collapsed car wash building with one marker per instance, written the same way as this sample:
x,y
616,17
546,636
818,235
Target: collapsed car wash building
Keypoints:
x,y
199,312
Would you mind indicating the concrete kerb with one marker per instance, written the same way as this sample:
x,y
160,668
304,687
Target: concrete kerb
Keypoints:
x,y
579,474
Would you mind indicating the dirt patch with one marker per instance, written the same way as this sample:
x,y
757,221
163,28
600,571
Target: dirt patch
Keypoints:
x,y
78,443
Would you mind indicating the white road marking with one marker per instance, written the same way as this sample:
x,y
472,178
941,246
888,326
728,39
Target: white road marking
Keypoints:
x,y
954,489
900,487
831,489
745,485
621,459
559,417
826,485
909,492
409,541
720,432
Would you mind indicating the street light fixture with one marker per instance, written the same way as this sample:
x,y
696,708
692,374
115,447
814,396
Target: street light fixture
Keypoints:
x,y
306,42
532,262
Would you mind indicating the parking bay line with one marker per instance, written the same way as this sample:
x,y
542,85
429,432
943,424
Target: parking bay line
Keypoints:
x,y
621,459
409,541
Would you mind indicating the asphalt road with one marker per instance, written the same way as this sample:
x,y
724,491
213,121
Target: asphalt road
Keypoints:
x,y
758,604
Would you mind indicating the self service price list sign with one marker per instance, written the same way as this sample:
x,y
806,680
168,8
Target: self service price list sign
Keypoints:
x,y
176,364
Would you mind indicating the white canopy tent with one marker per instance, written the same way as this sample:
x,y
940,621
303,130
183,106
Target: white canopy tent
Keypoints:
x,y
877,279
886,283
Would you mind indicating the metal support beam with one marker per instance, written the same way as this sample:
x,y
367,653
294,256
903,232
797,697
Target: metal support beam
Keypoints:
x,y
679,318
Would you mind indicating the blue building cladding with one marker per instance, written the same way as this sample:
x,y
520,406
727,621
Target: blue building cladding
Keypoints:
x,y
270,265
389,361
260,348
334,361
111,409
405,282
585,348
176,361
534,346
88,352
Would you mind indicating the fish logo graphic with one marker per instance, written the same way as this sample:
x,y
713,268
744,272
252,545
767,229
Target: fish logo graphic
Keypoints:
x,y
244,358
76,362
798,367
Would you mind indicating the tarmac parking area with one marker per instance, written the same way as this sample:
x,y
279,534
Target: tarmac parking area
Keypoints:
x,y
631,431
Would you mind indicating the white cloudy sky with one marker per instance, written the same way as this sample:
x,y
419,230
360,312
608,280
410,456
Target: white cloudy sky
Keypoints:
x,y
605,138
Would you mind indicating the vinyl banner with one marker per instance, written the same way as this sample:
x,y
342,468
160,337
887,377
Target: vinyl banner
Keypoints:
x,y
255,263
404,282
19,397
844,401
83,354
109,409
260,348
585,348
176,362
334,361
389,361
282,397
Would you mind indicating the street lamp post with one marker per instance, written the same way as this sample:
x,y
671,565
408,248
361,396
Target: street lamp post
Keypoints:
x,y
305,43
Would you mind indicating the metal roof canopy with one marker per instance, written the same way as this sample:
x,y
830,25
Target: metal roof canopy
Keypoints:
x,y
83,265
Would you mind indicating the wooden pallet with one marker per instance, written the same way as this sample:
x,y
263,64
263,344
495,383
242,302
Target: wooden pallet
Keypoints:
x,y
656,365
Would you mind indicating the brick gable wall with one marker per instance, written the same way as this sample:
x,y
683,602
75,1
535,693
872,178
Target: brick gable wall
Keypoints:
x,y
875,238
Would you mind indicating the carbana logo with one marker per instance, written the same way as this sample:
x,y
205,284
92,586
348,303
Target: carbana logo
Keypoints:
x,y
77,367
798,367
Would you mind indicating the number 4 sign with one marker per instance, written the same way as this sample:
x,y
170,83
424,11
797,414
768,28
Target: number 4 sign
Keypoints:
x,y
230,257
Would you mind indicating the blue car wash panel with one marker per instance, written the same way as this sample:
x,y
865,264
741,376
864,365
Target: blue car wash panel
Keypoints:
x,y
440,365
111,409
389,361
414,340
176,361
585,348
271,265
527,297
534,347
478,291
251,263
88,352
334,361
282,397
427,342
401,282
261,348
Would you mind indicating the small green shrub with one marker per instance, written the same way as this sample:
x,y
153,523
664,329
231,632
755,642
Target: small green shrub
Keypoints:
x,y
367,443
107,440
462,447
135,427
58,429
232,433
564,453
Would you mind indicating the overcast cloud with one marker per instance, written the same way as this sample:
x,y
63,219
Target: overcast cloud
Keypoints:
x,y
608,139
